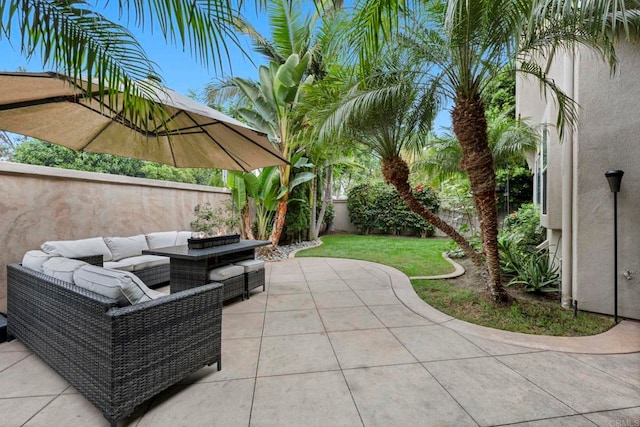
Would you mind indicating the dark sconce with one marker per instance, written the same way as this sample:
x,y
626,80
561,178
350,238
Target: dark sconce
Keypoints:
x,y
614,177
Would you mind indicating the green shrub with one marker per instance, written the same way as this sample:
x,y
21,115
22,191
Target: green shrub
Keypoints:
x,y
296,223
329,214
524,226
379,208
536,273
215,220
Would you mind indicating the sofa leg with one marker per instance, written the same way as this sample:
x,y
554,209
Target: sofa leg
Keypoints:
x,y
220,364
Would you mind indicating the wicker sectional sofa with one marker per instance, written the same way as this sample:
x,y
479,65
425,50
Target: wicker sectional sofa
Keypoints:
x,y
116,356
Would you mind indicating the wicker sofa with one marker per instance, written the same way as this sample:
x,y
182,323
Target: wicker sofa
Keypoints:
x,y
116,356
121,253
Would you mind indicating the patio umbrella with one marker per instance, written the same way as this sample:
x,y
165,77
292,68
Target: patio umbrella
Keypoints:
x,y
49,106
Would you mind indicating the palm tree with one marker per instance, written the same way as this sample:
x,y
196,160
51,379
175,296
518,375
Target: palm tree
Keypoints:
x,y
75,38
392,115
469,42
509,140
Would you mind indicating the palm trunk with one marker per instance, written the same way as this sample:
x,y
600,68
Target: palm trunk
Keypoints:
x,y
470,127
326,197
396,173
246,223
313,202
278,222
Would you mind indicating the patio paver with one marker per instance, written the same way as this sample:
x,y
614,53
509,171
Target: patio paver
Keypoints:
x,y
313,399
295,355
479,384
403,395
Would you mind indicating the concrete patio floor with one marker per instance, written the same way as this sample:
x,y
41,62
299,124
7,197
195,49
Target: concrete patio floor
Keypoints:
x,y
348,343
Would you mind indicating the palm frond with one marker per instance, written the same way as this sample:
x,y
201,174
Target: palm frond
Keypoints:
x,y
567,107
73,38
291,30
259,43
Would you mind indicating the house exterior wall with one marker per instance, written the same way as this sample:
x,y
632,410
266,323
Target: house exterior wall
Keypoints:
x,y
609,138
606,137
40,203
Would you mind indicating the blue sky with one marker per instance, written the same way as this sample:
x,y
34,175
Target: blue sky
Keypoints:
x,y
179,70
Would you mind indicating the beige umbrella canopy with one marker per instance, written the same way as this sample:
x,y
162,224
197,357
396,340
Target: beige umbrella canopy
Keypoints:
x,y
50,107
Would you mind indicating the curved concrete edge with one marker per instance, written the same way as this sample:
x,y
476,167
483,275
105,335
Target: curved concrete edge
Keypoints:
x,y
457,272
622,338
292,254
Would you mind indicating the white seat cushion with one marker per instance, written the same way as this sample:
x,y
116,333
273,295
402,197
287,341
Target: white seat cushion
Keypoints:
x,y
35,259
223,273
62,268
122,286
161,239
125,247
78,248
182,237
137,263
123,265
251,265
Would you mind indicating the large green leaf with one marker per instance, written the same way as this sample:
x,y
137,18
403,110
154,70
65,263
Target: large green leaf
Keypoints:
x,y
301,178
236,182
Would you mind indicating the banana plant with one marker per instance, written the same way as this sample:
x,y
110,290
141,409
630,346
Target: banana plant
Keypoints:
x,y
273,102
266,191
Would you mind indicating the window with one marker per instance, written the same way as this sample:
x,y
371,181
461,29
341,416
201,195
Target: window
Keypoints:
x,y
540,194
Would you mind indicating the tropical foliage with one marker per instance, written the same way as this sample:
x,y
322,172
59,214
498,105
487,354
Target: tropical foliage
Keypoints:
x,y
35,152
470,42
377,208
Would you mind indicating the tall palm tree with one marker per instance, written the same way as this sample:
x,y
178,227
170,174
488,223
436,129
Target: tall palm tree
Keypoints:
x,y
469,42
392,115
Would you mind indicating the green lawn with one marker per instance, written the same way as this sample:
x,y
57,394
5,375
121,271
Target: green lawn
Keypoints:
x,y
423,257
412,256
524,315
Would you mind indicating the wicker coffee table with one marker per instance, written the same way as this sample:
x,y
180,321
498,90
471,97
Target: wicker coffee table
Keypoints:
x,y
190,267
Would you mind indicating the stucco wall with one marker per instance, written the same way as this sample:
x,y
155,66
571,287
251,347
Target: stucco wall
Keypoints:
x,y
341,221
533,107
609,138
40,204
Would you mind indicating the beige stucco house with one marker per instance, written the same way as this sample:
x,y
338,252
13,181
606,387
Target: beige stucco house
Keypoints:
x,y
571,190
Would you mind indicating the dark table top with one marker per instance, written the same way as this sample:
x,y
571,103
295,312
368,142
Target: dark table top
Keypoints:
x,y
183,252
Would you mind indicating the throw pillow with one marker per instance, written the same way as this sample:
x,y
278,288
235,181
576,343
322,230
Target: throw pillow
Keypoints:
x,y
125,247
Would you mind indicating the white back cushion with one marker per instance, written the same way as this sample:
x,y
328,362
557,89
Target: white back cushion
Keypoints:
x,y
35,259
125,247
123,286
161,239
182,237
62,268
78,248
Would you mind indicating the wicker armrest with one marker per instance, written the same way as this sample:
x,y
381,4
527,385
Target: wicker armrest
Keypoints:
x,y
162,341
